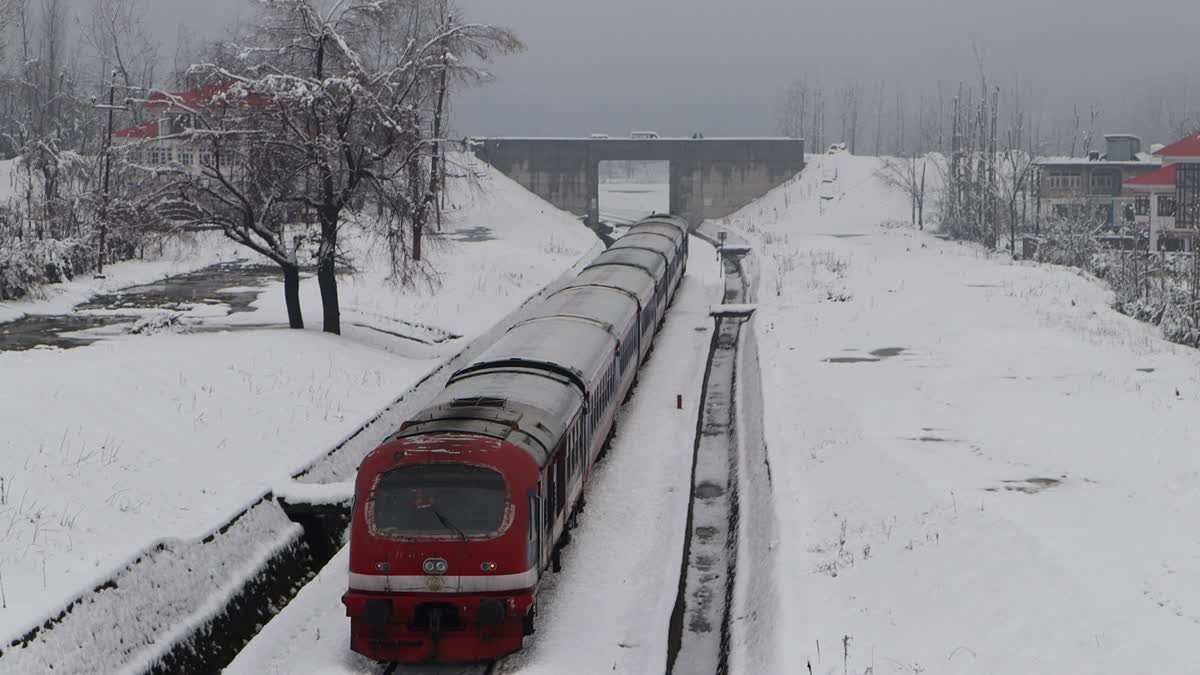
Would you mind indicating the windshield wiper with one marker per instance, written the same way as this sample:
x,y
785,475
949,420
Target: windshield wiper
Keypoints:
x,y
446,522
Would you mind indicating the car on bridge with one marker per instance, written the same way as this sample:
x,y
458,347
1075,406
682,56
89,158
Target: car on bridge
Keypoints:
x,y
643,135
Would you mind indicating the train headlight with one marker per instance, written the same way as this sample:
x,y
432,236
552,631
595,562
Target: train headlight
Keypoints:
x,y
434,566
488,566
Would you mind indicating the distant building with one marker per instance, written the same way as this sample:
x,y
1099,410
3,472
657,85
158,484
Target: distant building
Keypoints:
x,y
152,140
1094,187
1167,200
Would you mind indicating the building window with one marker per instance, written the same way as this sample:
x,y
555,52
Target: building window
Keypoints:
x,y
1061,179
1166,207
1141,205
1102,182
185,155
1187,193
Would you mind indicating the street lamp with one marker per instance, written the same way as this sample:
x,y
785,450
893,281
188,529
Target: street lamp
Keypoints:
x,y
110,107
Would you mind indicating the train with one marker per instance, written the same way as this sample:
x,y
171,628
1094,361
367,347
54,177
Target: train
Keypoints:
x,y
459,515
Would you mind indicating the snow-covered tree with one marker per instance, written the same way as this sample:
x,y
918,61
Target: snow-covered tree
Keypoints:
x,y
328,108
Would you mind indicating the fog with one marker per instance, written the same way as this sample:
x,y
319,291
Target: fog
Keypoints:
x,y
679,66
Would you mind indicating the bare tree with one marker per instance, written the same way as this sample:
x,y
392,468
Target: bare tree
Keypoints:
x,y
1016,177
331,102
851,98
792,115
907,174
879,121
117,33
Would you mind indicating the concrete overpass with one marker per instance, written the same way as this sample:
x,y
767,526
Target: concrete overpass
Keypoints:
x,y
710,177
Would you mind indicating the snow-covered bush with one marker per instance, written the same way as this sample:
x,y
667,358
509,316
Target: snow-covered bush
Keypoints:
x,y
157,323
1067,242
25,265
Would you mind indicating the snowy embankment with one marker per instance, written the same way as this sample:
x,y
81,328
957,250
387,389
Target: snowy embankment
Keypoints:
x,y
138,446
608,610
979,466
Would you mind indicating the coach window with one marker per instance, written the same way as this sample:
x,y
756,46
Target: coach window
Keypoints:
x,y
437,500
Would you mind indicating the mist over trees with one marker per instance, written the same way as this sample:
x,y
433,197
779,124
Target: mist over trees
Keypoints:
x,y
884,117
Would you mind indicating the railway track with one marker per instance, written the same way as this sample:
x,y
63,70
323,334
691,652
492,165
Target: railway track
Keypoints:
x,y
700,627
466,669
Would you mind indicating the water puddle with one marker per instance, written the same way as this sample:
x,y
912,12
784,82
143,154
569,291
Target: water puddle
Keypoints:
x,y
231,285
1029,486
709,491
876,356
470,234
55,330
237,286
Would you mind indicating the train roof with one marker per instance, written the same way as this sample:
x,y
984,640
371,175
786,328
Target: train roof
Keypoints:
x,y
652,262
611,307
633,279
675,223
667,233
577,348
651,241
523,406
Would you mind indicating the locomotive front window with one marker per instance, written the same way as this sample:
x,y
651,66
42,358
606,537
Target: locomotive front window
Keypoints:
x,y
439,500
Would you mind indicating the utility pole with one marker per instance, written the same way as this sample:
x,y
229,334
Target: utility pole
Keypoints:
x,y
107,173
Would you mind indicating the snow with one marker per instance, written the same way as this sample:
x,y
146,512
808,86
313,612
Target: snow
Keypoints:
x,y
111,448
608,610
158,598
978,465
975,465
732,309
316,494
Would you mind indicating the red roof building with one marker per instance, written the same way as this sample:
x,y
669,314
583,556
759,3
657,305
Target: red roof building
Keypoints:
x,y
1168,199
1186,149
174,117
1159,179
144,130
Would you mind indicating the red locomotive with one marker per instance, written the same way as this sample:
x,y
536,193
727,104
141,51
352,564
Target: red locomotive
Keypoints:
x,y
457,516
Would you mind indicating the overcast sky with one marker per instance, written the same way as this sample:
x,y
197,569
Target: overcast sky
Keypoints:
x,y
678,66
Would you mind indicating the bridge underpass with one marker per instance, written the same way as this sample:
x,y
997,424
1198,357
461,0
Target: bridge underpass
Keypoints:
x,y
709,177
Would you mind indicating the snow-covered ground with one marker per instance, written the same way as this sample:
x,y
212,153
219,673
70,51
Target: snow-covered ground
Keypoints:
x,y
609,609
979,467
110,448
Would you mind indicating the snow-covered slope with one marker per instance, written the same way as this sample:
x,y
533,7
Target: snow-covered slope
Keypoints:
x,y
979,467
109,448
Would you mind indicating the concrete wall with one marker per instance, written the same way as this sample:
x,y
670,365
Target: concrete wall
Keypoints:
x,y
710,178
